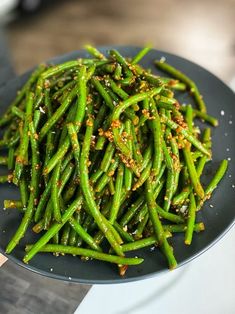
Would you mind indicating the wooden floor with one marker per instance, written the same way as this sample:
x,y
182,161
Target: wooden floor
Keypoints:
x,y
23,292
202,31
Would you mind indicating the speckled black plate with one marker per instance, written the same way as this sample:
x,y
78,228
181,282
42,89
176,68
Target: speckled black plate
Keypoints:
x,y
218,214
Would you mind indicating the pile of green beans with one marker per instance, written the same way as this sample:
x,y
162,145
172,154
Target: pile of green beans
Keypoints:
x,y
106,159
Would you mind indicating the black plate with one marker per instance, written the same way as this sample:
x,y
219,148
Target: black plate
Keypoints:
x,y
218,214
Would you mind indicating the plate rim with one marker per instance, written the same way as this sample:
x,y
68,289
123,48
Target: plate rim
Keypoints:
x,y
121,279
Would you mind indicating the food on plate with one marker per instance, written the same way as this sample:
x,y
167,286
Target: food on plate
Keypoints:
x,y
107,160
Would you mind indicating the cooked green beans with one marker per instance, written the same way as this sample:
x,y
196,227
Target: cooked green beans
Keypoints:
x,y
101,149
185,79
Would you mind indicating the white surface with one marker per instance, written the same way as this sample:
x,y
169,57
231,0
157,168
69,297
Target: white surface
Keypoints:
x,y
7,5
204,286
6,11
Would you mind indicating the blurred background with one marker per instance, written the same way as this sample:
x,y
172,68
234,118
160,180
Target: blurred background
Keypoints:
x,y
202,30
32,31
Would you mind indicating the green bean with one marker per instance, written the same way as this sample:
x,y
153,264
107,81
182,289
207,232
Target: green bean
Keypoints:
x,y
75,144
128,175
94,52
101,139
114,97
24,191
124,234
100,117
189,118
39,95
217,178
100,88
170,182
33,193
146,157
198,227
174,84
22,157
17,112
106,68
36,118
56,238
106,176
49,208
140,227
91,71
118,72
181,197
158,228
111,186
88,253
42,202
65,88
165,99
131,212
57,69
192,171
83,234
55,192
122,61
50,145
71,189
56,157
65,234
117,90
150,78
14,140
157,138
12,204
145,113
117,196
141,54
108,156
135,146
176,162
139,244
96,175
170,188
203,116
116,234
73,236
167,134
185,79
174,126
190,220
143,177
202,161
10,159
